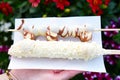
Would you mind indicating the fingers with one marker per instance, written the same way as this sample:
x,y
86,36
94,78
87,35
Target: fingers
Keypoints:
x,y
67,74
45,74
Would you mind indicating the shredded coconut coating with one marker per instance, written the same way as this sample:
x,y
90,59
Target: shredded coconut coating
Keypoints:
x,y
56,49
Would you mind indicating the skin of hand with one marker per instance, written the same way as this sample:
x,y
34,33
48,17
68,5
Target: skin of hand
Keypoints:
x,y
35,74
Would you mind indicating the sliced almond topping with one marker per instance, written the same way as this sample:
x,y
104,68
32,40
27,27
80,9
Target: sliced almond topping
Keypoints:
x,y
51,36
73,33
85,36
29,35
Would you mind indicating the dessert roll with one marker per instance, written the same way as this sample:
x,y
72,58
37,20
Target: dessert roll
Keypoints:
x,y
56,49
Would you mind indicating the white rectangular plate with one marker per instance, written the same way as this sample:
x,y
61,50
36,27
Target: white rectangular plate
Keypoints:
x,y
93,22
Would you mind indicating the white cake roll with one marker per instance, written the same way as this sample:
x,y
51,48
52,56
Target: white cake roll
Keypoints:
x,y
53,32
56,49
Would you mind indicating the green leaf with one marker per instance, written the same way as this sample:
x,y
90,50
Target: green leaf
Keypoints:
x,y
1,16
79,5
23,7
116,38
23,4
4,60
32,10
112,5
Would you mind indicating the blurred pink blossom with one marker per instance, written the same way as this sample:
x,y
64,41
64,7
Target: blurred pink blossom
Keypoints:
x,y
34,2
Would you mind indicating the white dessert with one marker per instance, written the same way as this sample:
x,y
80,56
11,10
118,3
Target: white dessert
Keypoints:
x,y
56,49
52,33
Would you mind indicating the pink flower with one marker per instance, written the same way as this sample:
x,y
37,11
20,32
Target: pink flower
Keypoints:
x,y
110,33
113,25
4,48
61,3
1,71
96,76
34,2
117,77
110,59
6,8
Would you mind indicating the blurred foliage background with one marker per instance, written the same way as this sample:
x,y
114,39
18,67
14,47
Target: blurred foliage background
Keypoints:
x,y
109,10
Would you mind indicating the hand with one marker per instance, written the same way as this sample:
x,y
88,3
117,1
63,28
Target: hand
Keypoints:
x,y
34,74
